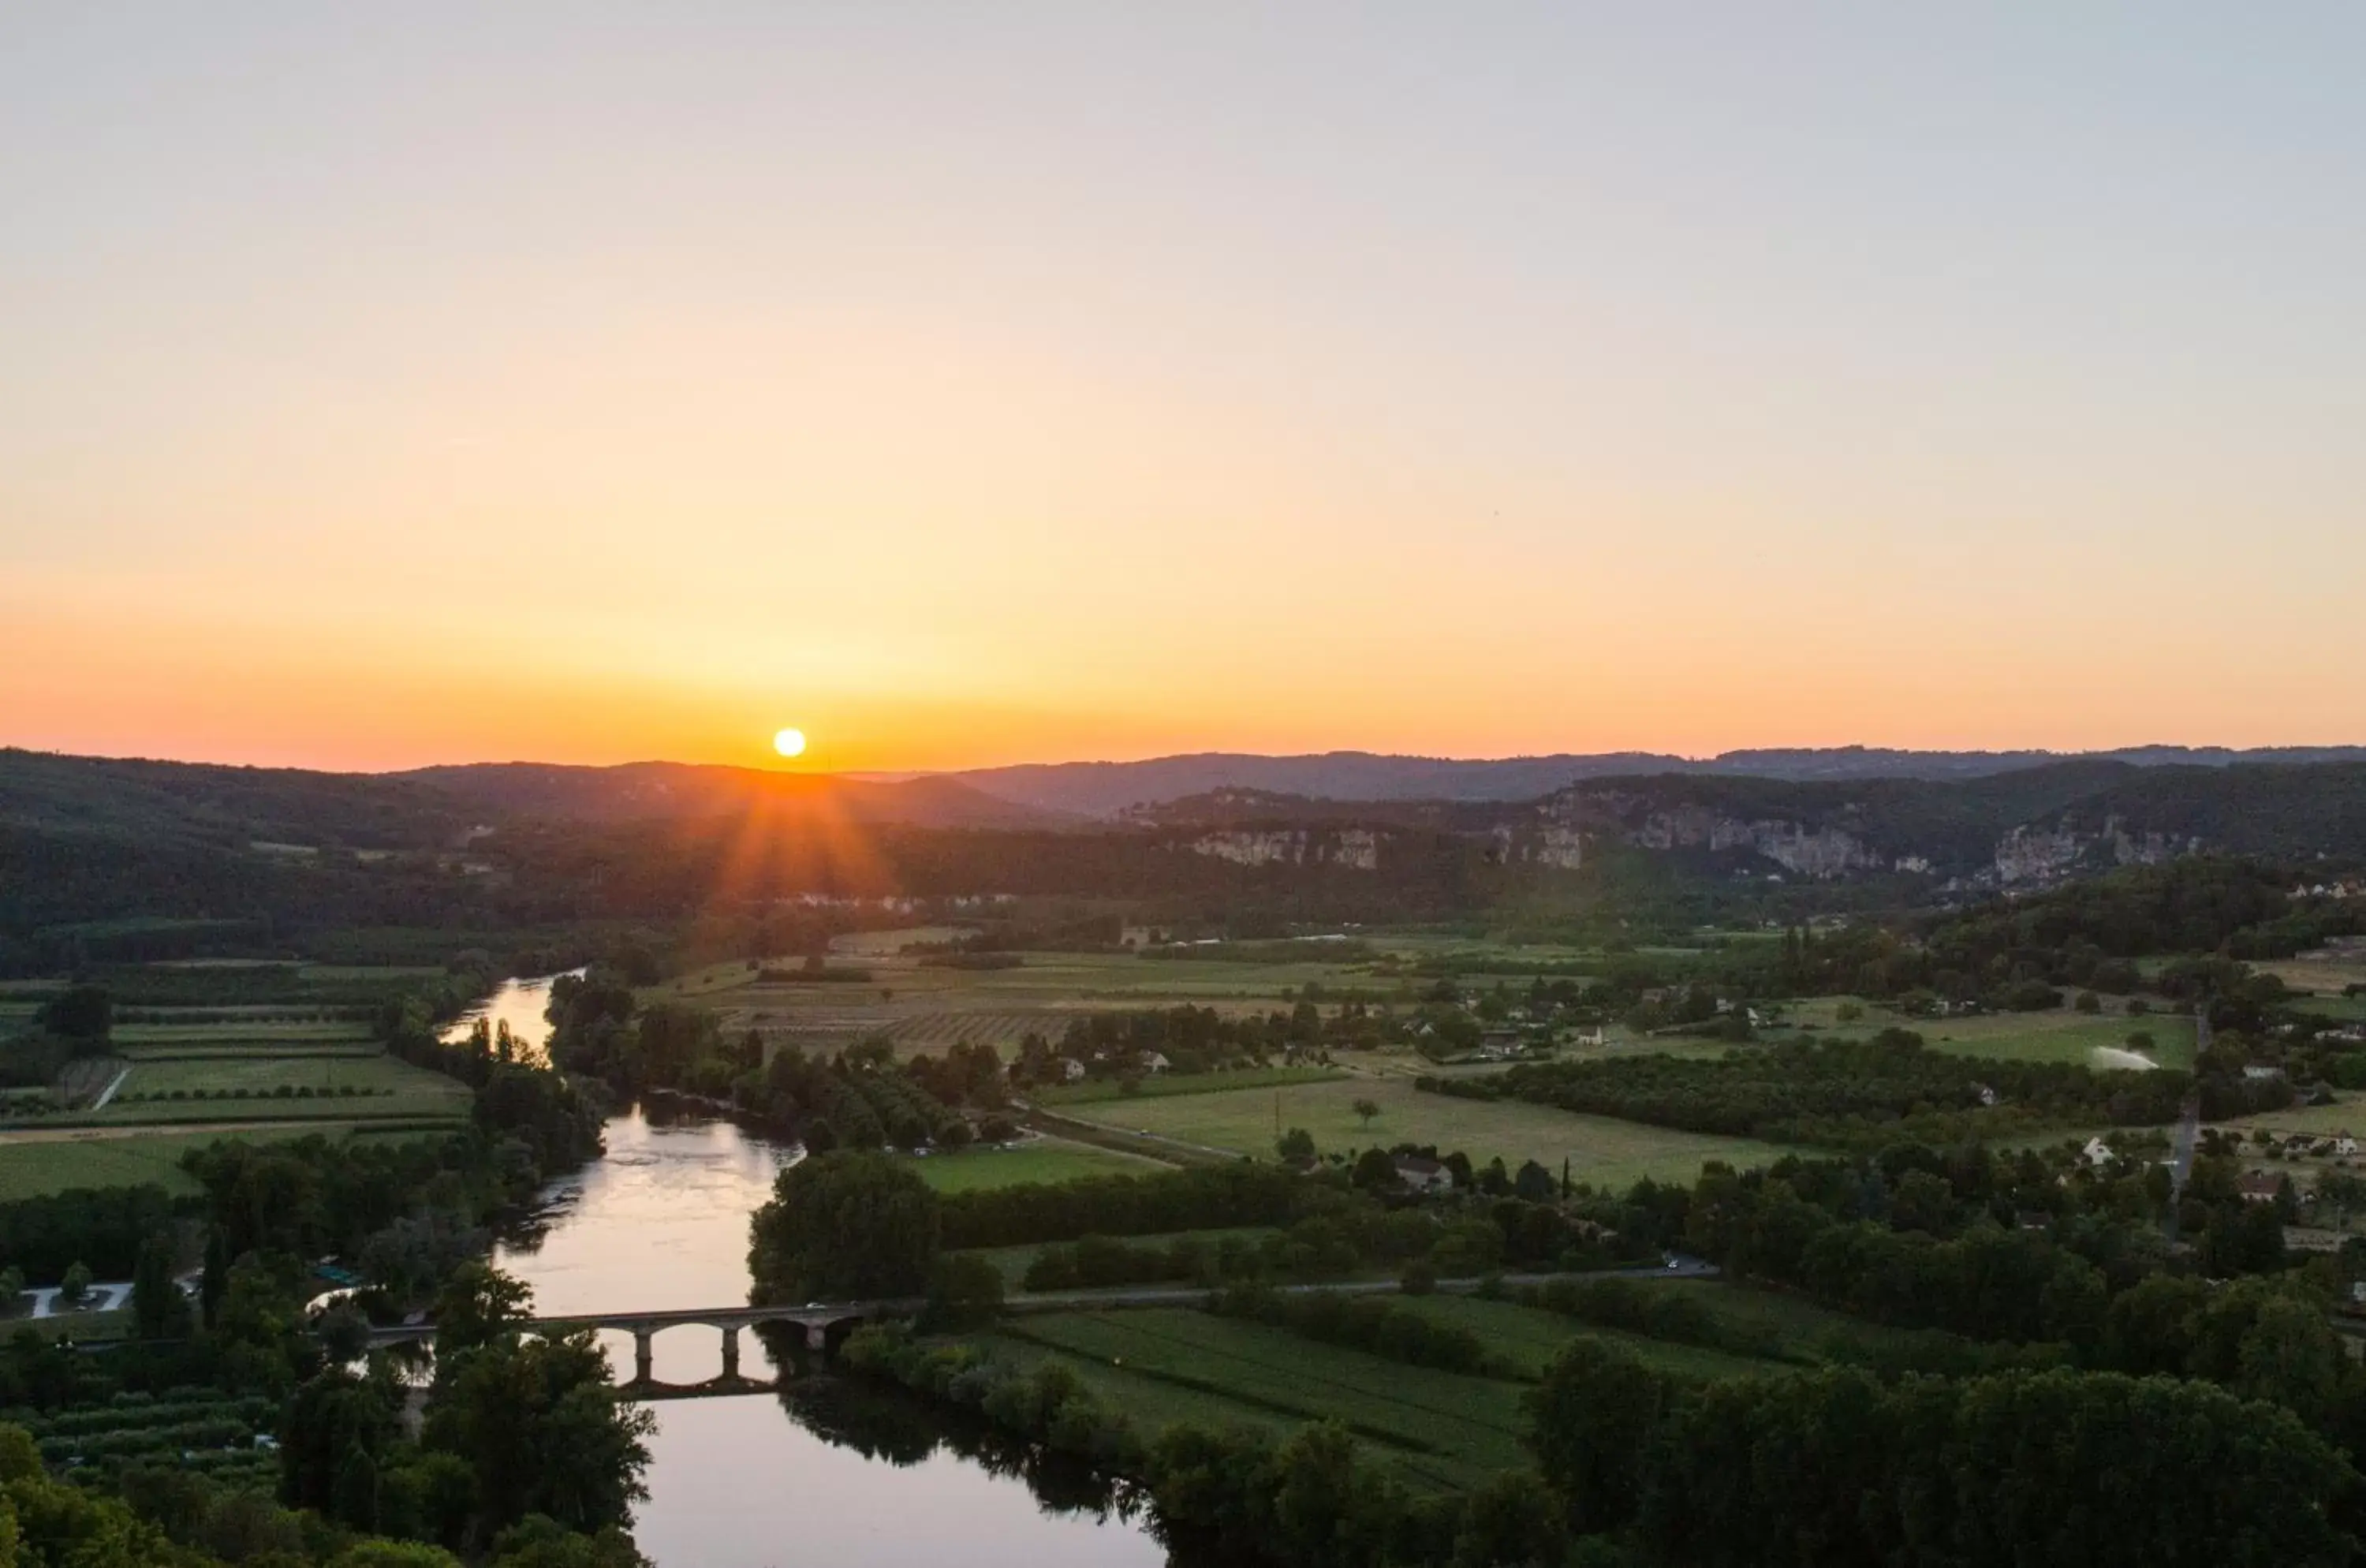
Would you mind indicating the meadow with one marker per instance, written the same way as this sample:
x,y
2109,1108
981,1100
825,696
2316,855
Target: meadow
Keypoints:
x,y
1599,1149
34,1164
2062,1035
233,1087
1528,1339
1042,1159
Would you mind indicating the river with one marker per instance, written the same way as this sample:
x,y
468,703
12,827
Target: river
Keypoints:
x,y
519,1004
751,1481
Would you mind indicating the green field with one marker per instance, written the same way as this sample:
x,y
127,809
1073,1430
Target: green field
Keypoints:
x,y
2346,1114
2063,1035
1165,1085
1045,1159
33,1168
922,1009
239,1088
1441,1431
1529,1337
1599,1149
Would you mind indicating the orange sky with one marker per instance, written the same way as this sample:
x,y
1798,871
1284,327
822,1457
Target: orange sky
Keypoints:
x,y
1077,385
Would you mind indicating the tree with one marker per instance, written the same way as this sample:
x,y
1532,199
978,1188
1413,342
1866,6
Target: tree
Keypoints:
x,y
158,1308
1297,1146
76,1284
539,1423
965,1291
1513,1519
394,1555
215,1279
1535,1183
540,1542
12,1289
1374,1170
844,1227
478,1304
2089,1002
336,1431
1366,1109
1590,1425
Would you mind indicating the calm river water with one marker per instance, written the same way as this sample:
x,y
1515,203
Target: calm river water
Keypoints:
x,y
752,1481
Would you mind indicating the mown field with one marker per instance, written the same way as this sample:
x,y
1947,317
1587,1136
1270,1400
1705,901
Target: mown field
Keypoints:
x,y
1599,1149
1528,1339
33,1165
342,1088
2063,1035
923,1008
1044,1159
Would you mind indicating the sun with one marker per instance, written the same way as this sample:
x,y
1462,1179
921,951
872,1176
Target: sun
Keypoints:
x,y
790,742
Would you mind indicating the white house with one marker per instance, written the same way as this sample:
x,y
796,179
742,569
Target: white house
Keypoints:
x,y
1155,1062
1071,1069
2097,1153
1423,1174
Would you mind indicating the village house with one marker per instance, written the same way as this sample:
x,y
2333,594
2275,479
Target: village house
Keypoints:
x,y
1423,1174
2097,1153
2258,1186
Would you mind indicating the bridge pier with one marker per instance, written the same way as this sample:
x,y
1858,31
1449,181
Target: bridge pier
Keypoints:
x,y
731,1350
644,1358
817,1337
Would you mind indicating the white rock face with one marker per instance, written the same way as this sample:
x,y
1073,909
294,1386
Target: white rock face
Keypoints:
x,y
2046,854
1253,849
1820,853
1353,849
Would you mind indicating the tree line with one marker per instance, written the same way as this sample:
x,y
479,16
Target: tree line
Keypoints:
x,y
1846,1093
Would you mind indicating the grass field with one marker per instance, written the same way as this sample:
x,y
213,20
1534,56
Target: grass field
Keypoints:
x,y
928,1009
1599,1149
1441,1431
1171,1084
30,1170
242,1086
1529,1337
2064,1034
2346,1114
1044,1159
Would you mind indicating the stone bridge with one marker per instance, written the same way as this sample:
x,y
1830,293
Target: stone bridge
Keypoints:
x,y
816,1318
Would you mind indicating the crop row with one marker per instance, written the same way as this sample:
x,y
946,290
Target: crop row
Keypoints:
x,y
132,1411
964,1028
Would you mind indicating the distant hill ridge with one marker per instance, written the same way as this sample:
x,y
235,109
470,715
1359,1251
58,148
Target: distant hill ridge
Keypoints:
x,y
1110,789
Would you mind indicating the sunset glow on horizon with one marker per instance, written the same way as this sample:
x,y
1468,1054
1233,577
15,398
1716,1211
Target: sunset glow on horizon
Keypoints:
x,y
1053,383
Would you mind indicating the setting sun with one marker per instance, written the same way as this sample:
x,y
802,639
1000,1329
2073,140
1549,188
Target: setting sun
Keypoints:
x,y
790,742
